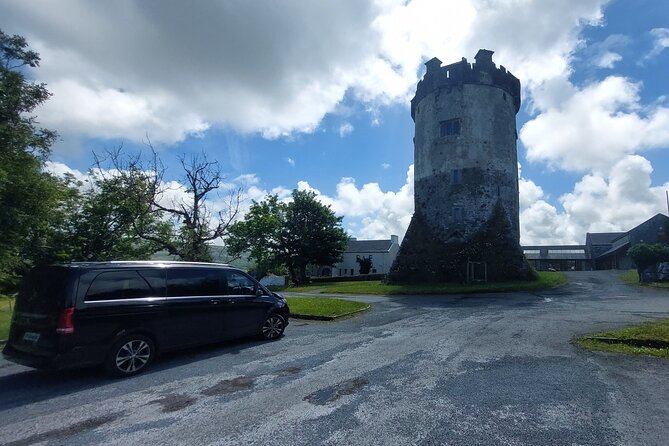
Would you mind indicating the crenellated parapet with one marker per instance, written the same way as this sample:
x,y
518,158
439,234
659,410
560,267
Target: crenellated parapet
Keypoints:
x,y
482,72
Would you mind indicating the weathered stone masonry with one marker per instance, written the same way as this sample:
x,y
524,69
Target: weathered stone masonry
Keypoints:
x,y
465,174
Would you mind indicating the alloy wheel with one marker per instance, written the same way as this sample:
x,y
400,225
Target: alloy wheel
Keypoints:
x,y
133,356
273,327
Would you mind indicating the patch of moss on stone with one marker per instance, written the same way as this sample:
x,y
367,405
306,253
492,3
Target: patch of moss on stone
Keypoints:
x,y
428,256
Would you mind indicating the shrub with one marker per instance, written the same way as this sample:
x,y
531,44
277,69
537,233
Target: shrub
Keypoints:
x,y
646,255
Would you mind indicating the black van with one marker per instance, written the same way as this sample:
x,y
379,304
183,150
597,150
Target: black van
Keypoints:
x,y
120,314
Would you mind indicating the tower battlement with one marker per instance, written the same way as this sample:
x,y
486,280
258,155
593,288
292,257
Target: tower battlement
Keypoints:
x,y
482,72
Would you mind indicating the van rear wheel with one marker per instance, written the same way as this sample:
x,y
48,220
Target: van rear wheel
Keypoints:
x,y
130,355
273,327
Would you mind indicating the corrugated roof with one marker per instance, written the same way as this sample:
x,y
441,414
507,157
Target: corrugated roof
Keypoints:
x,y
361,246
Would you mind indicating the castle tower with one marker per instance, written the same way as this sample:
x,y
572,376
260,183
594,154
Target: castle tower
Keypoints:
x,y
465,174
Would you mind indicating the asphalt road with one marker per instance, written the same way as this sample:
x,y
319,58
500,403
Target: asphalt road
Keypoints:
x,y
461,370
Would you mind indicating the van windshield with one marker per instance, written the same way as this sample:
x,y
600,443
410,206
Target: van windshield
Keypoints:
x,y
42,290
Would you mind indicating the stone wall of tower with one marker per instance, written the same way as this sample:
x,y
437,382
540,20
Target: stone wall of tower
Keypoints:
x,y
465,181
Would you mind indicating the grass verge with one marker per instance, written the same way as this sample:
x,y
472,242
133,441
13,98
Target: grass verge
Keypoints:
x,y
320,307
631,277
544,280
6,305
630,339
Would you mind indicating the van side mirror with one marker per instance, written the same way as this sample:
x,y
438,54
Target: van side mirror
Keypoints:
x,y
258,292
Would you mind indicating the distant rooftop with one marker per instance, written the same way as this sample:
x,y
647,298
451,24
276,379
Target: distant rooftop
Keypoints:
x,y
364,246
603,238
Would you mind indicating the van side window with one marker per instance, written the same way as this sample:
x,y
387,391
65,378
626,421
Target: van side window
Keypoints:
x,y
115,285
239,284
155,278
194,282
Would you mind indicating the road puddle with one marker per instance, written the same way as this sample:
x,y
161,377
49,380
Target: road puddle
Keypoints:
x,y
333,393
288,371
173,402
58,435
230,386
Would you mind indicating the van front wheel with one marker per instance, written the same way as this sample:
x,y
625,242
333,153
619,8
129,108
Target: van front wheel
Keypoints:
x,y
130,355
273,327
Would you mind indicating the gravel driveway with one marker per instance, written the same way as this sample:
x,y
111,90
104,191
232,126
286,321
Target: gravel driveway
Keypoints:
x,y
470,370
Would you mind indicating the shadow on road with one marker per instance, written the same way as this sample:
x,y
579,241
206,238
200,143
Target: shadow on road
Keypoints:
x,y
31,386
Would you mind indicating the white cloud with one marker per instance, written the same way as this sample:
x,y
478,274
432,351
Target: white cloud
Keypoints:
x,y
345,129
385,166
660,42
370,213
61,170
290,161
617,201
606,54
592,128
276,68
608,59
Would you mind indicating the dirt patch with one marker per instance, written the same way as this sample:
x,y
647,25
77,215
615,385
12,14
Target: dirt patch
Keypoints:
x,y
65,432
333,393
229,386
173,402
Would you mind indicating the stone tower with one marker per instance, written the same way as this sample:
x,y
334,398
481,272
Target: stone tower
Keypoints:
x,y
465,174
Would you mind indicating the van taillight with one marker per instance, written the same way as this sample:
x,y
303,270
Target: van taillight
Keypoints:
x,y
65,321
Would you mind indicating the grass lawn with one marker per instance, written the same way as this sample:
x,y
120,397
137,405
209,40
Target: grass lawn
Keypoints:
x,y
544,280
5,316
657,331
323,307
631,277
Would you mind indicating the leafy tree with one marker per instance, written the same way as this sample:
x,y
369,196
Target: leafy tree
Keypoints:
x,y
192,223
29,198
365,264
296,234
646,255
260,234
109,219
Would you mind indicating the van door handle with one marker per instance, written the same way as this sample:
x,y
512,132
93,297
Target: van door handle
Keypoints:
x,y
231,301
214,301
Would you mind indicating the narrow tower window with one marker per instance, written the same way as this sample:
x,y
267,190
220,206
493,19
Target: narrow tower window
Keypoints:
x,y
456,176
449,127
457,214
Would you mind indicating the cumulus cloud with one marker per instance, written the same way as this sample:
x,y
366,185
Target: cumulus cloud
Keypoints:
x,y
370,212
591,128
290,161
172,70
616,201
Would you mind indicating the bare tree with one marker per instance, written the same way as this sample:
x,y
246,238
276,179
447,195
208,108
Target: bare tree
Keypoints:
x,y
192,222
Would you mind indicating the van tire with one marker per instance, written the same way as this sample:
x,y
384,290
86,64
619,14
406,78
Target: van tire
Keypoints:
x,y
273,327
130,355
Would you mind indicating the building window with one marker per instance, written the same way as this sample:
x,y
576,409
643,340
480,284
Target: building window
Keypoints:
x,y
449,127
456,176
457,214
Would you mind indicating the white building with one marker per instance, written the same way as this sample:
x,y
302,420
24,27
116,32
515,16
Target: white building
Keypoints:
x,y
380,253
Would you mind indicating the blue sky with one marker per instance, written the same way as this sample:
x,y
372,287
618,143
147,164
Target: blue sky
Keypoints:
x,y
315,95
